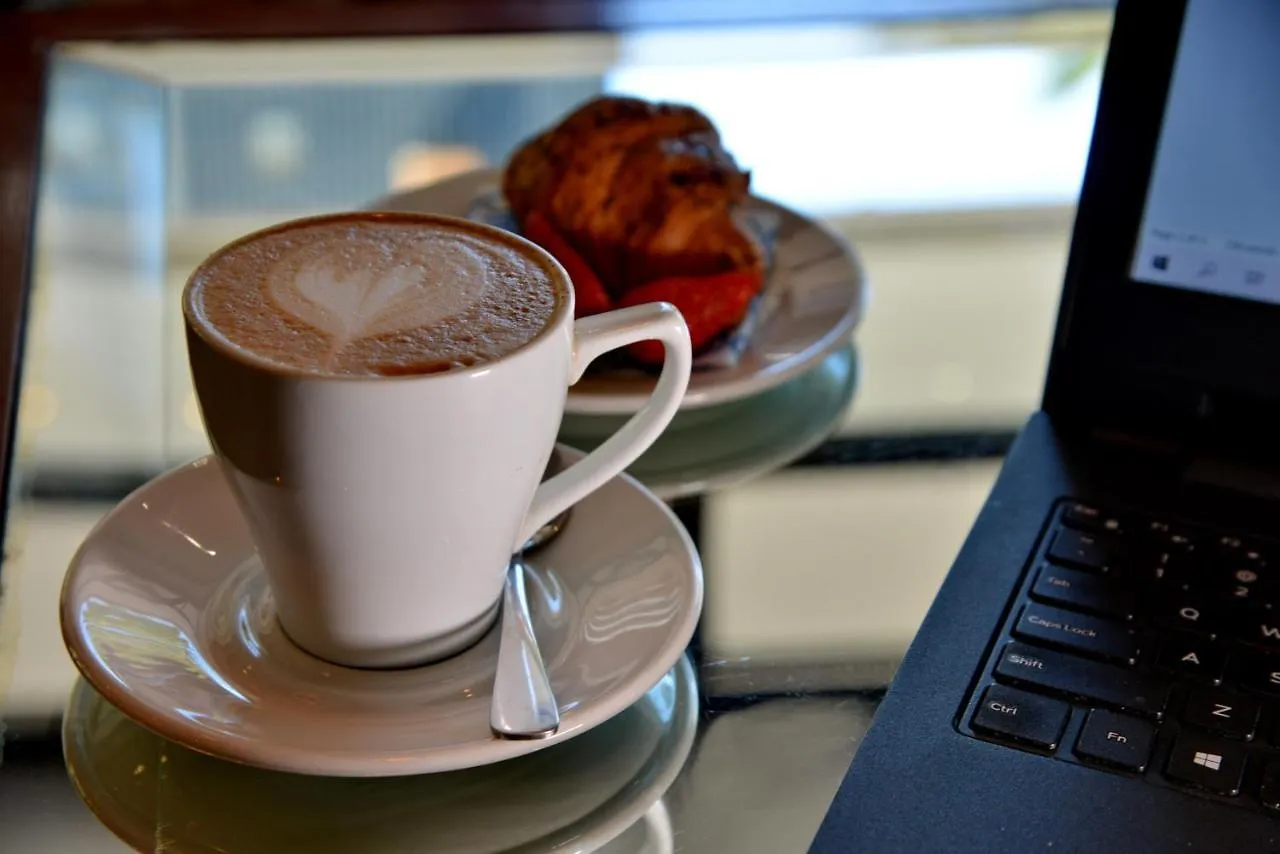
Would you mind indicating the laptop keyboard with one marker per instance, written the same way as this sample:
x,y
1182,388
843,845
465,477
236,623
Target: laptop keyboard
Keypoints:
x,y
1142,646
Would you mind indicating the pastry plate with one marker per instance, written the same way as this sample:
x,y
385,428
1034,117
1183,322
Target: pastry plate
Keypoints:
x,y
813,298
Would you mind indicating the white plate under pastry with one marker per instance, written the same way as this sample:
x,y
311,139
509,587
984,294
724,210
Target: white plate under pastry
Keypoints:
x,y
166,611
814,296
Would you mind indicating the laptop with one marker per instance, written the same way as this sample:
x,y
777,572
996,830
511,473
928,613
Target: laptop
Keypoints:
x,y
1100,671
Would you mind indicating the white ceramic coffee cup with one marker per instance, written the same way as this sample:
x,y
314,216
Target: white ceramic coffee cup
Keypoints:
x,y
385,509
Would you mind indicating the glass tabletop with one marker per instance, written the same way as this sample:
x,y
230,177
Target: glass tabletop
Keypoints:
x,y
947,154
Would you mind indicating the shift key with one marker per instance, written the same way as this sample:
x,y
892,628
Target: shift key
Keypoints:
x,y
1079,679
1077,633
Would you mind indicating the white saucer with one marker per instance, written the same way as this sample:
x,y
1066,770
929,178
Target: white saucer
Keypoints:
x,y
166,612
817,292
730,444
603,789
653,835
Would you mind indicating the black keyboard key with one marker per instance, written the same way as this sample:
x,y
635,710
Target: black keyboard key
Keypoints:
x,y
1259,552
1096,552
1269,791
1206,763
1018,716
1248,575
1081,591
1086,517
1077,514
1173,537
1222,712
1259,628
1194,657
1192,613
1235,594
1257,673
1083,680
1165,570
1236,584
1077,633
1240,552
1117,740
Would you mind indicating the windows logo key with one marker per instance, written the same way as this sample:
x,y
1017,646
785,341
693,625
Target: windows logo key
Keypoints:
x,y
1212,761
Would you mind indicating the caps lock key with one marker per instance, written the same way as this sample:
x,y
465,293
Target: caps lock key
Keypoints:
x,y
1077,633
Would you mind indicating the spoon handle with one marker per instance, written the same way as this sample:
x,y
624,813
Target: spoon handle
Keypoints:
x,y
523,705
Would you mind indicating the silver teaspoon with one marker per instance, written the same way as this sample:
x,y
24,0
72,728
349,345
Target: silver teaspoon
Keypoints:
x,y
523,705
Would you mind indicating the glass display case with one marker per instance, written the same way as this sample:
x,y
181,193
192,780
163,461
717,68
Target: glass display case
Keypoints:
x,y
945,145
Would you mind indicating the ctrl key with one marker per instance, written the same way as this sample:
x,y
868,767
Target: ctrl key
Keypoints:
x,y
1014,715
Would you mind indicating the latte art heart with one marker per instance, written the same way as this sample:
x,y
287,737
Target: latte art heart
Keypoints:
x,y
373,294
375,298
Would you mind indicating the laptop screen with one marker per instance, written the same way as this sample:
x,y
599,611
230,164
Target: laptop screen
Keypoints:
x,y
1212,216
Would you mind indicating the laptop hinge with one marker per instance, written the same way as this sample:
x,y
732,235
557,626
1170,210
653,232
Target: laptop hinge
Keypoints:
x,y
1236,475
1246,474
1160,446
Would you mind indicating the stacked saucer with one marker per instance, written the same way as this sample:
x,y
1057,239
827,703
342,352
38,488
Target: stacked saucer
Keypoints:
x,y
770,395
731,443
188,677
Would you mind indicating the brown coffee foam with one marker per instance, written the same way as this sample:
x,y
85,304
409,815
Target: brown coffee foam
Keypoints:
x,y
426,295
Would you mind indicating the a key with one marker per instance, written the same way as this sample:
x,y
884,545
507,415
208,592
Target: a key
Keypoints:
x,y
1077,633
1206,763
1193,656
1022,717
1116,740
1083,680
1222,712
1082,591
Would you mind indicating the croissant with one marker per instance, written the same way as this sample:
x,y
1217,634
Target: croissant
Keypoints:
x,y
640,190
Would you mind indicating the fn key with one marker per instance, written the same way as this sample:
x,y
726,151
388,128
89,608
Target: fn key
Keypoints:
x,y
1116,740
1014,715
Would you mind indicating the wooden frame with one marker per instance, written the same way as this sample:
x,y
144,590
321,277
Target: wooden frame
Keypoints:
x,y
243,19
23,66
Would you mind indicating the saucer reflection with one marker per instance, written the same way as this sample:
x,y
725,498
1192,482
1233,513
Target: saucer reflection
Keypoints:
x,y
653,834
600,791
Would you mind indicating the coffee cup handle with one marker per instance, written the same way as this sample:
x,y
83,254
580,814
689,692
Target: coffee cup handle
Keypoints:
x,y
594,336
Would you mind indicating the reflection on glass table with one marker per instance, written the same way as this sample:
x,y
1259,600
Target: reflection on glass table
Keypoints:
x,y
706,450
587,792
959,205
948,155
